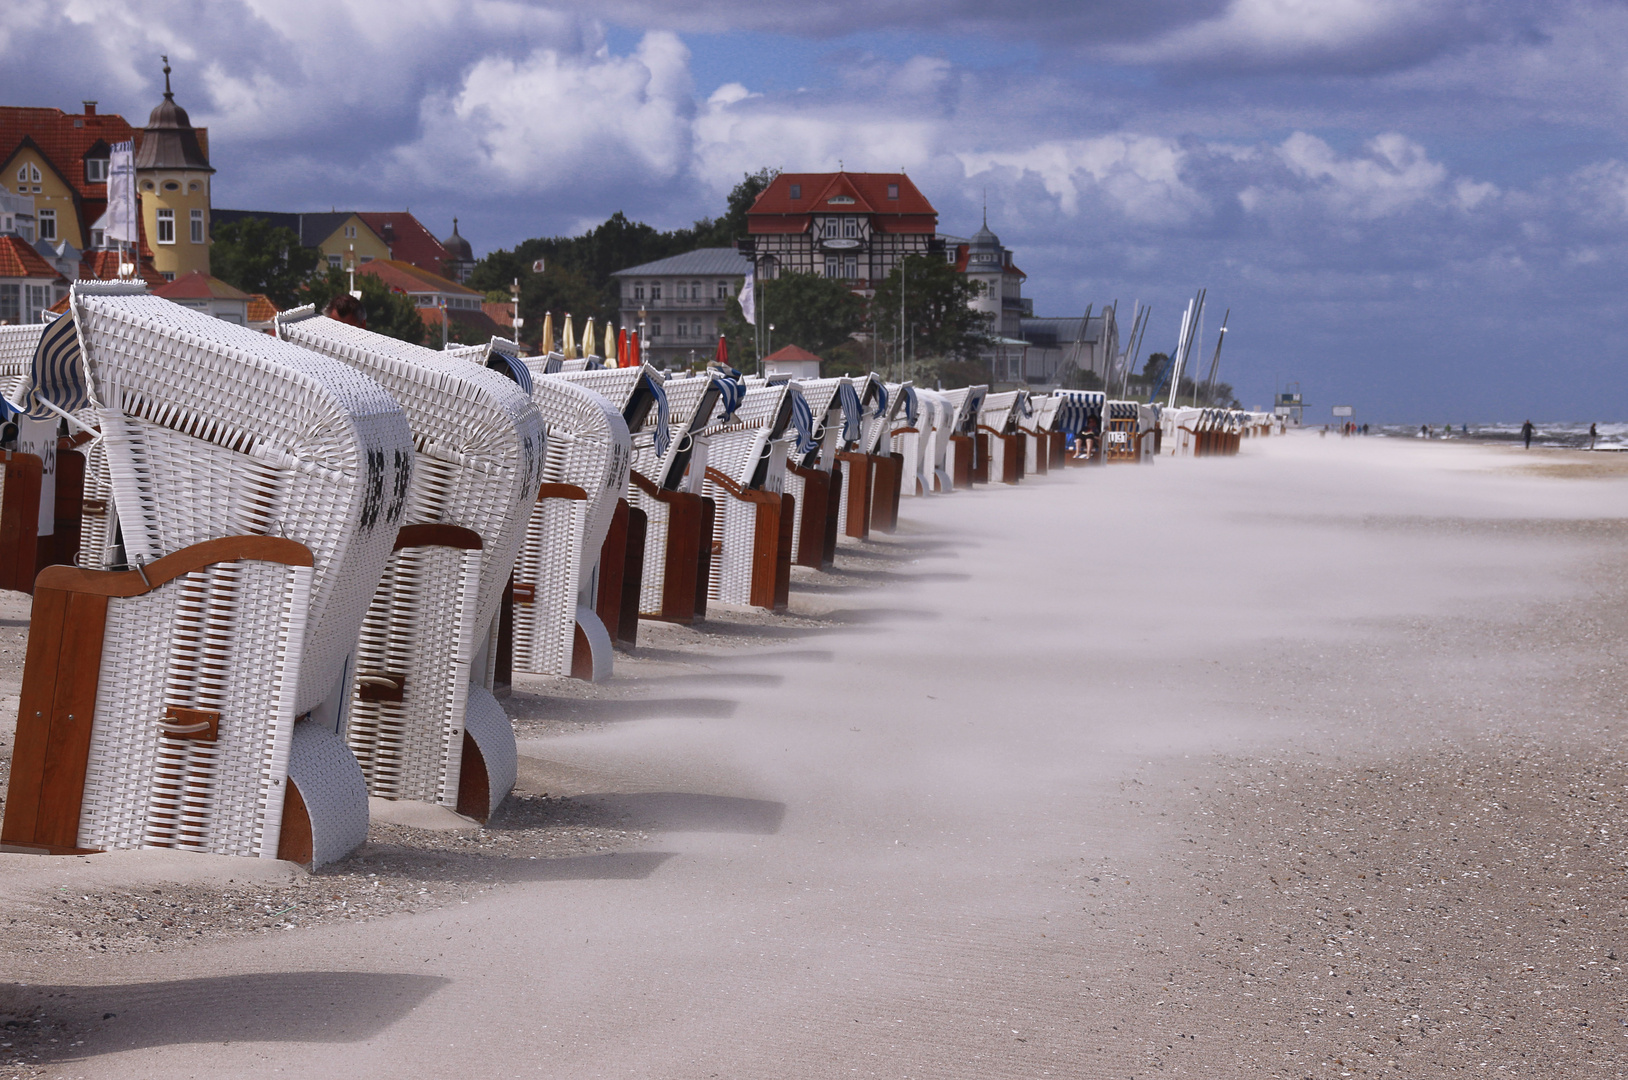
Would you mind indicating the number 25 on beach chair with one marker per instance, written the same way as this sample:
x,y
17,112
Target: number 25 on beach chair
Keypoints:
x,y
195,700
423,721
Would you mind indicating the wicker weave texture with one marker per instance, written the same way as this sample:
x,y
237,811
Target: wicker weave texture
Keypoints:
x,y
225,638
213,429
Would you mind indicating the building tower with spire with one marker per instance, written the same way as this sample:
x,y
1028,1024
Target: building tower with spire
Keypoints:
x,y
173,179
460,260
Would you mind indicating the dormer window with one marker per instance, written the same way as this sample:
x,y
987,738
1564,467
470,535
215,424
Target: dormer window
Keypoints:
x,y
96,170
893,191
841,200
797,191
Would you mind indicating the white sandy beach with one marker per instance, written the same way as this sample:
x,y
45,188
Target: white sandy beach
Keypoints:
x,y
1305,762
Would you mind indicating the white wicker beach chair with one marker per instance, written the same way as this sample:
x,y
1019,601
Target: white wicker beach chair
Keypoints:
x,y
665,482
557,630
619,578
997,425
196,701
753,516
810,479
963,459
857,460
424,723
912,431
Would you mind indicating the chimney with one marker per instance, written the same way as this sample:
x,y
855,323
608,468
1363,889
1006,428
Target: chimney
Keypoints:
x,y
90,108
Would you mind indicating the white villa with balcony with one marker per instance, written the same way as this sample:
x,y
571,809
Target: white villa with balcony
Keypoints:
x,y
678,302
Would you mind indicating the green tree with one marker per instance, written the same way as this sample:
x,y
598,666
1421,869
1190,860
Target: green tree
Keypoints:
x,y
579,268
390,313
938,318
813,312
258,257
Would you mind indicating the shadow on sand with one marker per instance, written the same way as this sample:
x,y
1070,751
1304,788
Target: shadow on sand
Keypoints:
x,y
605,711
292,1006
678,811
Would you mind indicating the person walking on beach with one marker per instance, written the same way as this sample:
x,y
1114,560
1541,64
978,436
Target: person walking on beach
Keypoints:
x,y
1593,433
1526,433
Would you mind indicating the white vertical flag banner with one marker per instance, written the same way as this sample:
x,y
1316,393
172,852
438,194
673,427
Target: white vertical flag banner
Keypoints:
x,y
121,193
748,300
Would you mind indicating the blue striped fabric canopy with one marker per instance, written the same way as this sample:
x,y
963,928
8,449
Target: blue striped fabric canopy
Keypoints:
x,y
731,393
511,366
851,412
802,418
881,398
911,406
663,417
1077,409
57,376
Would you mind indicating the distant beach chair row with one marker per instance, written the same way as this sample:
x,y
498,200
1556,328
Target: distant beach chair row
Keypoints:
x,y
275,576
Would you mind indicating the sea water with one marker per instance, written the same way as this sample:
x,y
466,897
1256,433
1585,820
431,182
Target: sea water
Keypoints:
x,y
1565,434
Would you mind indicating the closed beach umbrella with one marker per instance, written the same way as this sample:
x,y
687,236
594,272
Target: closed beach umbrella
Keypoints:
x,y
589,345
548,332
609,352
622,357
569,347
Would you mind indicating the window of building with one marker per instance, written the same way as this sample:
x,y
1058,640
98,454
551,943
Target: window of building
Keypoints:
x,y
98,239
655,328
850,267
96,170
850,228
655,290
679,292
365,258
166,226
39,299
28,173
11,304
833,266
638,290
893,191
146,185
695,290
723,290
350,232
335,261
48,224
797,191
171,185
167,275
197,227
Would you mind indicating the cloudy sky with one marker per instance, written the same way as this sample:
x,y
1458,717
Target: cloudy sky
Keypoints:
x,y
1416,207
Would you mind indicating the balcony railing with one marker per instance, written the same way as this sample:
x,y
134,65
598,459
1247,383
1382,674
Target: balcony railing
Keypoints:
x,y
673,303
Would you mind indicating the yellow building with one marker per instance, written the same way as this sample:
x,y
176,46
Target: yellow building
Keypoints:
x,y
173,179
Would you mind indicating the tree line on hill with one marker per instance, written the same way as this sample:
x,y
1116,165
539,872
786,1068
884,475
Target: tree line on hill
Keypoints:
x,y
941,339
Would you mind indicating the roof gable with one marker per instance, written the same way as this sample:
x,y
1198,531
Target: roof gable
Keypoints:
x,y
64,138
18,259
408,239
815,189
412,279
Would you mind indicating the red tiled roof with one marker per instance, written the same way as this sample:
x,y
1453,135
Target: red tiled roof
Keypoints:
x,y
64,138
199,286
500,312
18,259
409,278
409,240
791,353
775,211
261,309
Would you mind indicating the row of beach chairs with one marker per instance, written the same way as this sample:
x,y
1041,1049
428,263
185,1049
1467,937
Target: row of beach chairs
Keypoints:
x,y
283,575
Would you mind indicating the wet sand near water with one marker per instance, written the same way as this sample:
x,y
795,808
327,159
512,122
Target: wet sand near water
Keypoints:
x,y
1302,763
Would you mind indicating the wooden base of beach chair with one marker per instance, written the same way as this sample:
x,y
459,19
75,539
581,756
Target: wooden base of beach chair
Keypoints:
x,y
858,476
833,520
708,551
57,703
962,454
621,573
503,662
1011,457
816,506
1036,455
19,520
685,557
61,548
980,458
886,487
769,581
1057,449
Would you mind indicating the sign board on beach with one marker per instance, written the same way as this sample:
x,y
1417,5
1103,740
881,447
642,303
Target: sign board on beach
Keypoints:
x,y
1342,410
